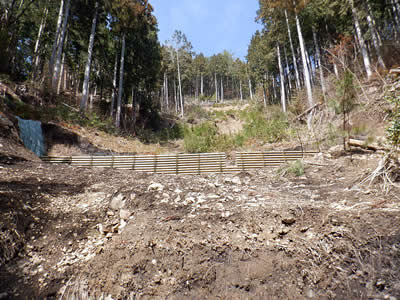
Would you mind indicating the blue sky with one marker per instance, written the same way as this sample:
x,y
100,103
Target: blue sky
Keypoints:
x,y
210,25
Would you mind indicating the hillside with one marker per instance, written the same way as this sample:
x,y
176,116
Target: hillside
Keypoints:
x,y
309,230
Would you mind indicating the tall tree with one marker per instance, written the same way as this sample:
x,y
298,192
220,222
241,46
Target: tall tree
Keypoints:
x,y
85,89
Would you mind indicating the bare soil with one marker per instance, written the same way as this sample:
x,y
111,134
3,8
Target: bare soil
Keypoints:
x,y
110,234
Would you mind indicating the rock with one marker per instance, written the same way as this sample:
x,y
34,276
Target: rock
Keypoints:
x,y
228,180
310,293
124,214
380,284
283,231
156,187
304,229
336,151
122,226
118,202
236,180
288,220
4,295
226,214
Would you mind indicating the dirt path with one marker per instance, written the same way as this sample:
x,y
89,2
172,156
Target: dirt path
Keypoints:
x,y
122,235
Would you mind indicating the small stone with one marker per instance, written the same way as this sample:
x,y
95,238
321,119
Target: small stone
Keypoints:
x,y
118,202
110,213
109,235
156,187
304,229
228,180
283,231
380,284
133,196
288,220
121,226
236,180
154,261
226,214
310,293
4,295
124,214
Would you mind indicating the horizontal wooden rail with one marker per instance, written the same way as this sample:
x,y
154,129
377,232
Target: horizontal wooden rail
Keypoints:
x,y
182,163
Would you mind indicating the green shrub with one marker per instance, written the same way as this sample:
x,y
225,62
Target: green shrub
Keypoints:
x,y
393,131
269,129
205,138
200,138
294,168
196,112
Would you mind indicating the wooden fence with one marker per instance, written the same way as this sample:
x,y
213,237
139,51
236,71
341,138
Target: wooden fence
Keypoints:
x,y
183,163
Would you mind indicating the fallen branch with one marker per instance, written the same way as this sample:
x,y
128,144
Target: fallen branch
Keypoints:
x,y
306,112
6,90
73,108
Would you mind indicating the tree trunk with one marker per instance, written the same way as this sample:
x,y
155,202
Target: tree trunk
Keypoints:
x,y
36,51
166,90
282,79
319,62
375,37
222,88
216,87
264,92
114,86
363,45
201,85
176,97
60,48
85,89
250,89
196,93
180,84
287,69
396,14
241,90
61,74
307,79
56,41
296,70
121,81
311,70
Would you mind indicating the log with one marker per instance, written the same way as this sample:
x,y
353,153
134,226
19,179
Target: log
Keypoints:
x,y
6,90
395,71
365,145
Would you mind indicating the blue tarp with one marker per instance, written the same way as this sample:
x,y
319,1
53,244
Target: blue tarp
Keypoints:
x,y
32,135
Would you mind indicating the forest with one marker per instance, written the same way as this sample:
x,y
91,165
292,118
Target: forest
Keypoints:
x,y
108,52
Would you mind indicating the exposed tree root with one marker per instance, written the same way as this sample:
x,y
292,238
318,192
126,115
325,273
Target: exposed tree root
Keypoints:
x,y
386,173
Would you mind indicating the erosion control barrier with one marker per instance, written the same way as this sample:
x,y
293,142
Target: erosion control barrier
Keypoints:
x,y
202,163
